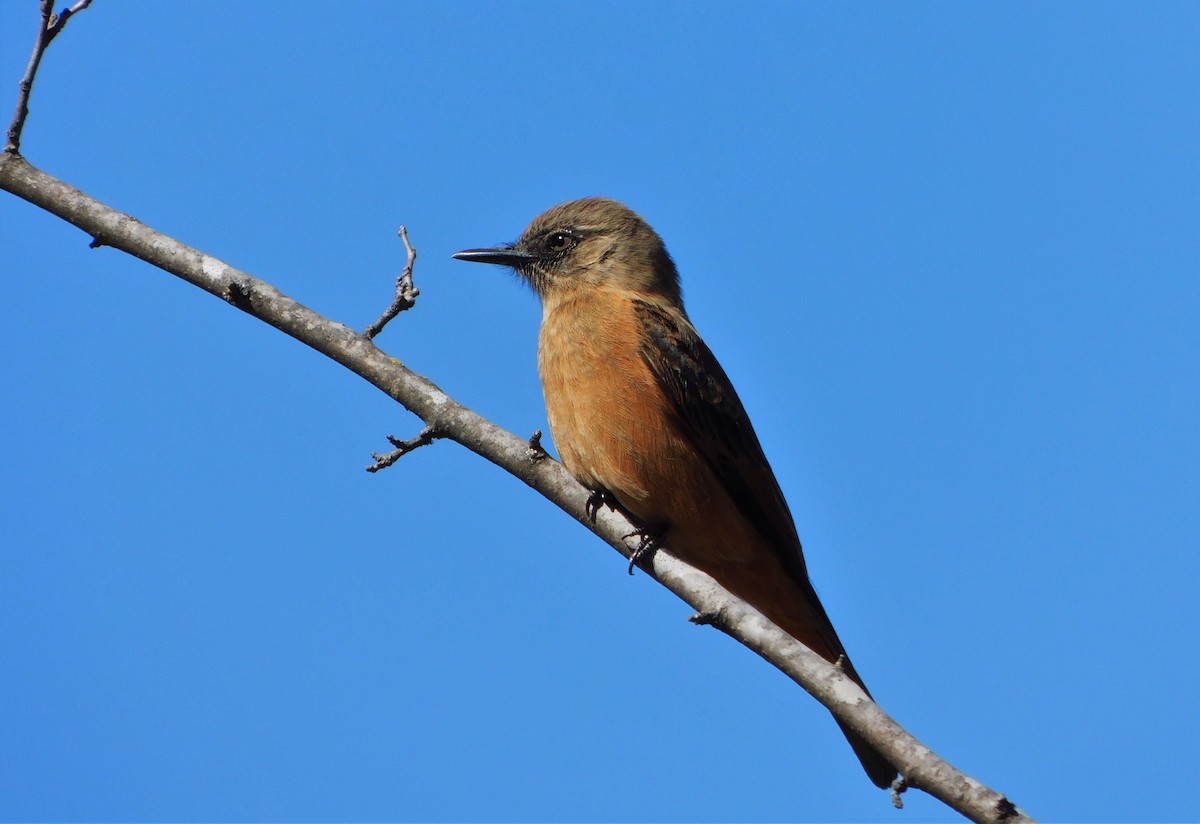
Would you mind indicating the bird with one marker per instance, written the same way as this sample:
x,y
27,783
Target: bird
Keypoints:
x,y
643,415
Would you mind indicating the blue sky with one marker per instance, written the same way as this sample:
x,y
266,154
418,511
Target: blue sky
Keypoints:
x,y
948,254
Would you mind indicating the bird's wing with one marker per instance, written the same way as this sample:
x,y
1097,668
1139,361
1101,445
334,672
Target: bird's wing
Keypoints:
x,y
714,419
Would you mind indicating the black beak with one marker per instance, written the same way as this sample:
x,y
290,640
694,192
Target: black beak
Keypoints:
x,y
501,255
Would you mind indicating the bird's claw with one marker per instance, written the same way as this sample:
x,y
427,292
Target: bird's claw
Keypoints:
x,y
598,498
648,540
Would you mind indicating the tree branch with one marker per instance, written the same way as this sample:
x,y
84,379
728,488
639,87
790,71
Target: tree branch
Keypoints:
x,y
426,436
406,292
444,417
918,764
49,28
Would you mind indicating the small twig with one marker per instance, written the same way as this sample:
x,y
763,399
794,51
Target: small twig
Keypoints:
x,y
536,450
428,435
707,619
406,293
49,27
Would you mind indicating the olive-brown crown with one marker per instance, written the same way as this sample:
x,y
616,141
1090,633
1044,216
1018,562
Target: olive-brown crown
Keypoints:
x,y
595,242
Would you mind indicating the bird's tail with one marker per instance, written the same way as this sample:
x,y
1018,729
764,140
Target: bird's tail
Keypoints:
x,y
878,768
786,597
881,771
828,646
795,608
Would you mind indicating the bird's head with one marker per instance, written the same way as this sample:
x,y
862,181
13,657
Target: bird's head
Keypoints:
x,y
590,243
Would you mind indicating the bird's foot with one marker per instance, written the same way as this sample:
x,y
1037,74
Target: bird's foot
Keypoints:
x,y
649,539
598,498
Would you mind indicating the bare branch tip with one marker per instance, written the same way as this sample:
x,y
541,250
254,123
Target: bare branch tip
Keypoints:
x,y
402,233
536,451
51,25
406,292
427,436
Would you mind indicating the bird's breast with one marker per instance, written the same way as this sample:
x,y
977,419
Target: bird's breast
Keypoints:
x,y
607,414
616,430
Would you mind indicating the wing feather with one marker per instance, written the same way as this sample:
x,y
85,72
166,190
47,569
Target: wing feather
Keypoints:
x,y
714,419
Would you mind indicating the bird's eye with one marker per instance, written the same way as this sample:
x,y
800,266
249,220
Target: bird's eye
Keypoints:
x,y
558,241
